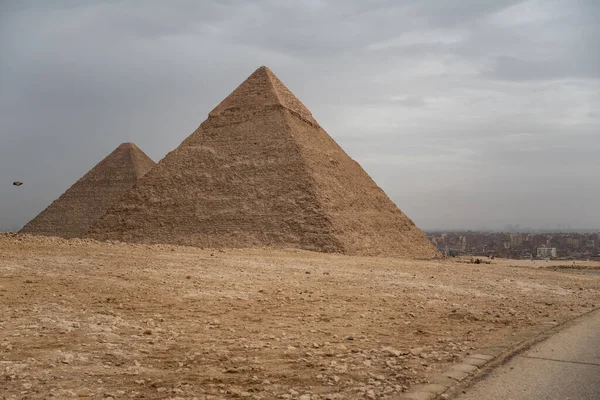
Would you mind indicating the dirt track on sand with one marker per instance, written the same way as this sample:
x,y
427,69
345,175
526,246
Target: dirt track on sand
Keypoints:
x,y
81,318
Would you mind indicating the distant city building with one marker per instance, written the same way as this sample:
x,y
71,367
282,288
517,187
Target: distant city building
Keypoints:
x,y
546,252
463,243
569,245
516,239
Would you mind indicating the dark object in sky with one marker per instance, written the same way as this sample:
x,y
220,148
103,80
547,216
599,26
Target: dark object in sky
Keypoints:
x,y
17,183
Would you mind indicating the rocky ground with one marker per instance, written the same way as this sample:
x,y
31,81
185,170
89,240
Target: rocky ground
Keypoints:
x,y
106,320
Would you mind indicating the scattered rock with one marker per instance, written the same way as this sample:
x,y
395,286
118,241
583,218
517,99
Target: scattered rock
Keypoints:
x,y
416,351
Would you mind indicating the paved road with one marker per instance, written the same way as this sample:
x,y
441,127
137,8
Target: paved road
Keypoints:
x,y
565,366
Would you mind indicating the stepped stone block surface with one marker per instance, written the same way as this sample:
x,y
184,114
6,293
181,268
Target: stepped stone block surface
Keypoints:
x,y
82,205
261,172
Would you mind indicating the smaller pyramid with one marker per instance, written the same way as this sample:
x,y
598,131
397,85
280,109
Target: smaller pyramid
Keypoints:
x,y
82,205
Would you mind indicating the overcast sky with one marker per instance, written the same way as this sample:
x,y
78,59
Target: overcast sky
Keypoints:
x,y
468,113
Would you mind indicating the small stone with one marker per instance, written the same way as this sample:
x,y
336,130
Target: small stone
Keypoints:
x,y
395,353
416,351
68,358
350,338
294,392
147,332
188,277
370,394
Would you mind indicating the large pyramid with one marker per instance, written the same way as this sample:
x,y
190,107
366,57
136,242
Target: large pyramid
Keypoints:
x,y
260,171
82,205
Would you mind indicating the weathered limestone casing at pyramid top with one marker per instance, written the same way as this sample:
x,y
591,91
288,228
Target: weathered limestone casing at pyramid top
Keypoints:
x,y
82,205
260,171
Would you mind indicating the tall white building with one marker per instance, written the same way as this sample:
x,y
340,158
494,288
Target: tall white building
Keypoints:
x,y
546,252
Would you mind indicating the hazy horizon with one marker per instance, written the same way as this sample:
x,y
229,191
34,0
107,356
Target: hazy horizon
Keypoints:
x,y
470,114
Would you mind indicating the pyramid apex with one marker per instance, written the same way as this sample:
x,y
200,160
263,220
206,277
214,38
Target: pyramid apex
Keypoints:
x,y
261,89
265,69
127,145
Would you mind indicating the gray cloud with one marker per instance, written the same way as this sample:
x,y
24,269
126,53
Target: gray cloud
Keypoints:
x,y
469,113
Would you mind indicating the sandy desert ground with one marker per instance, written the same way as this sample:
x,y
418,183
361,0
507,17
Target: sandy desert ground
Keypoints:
x,y
83,319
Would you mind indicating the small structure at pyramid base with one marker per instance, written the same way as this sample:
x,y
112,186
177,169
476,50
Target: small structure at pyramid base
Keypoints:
x,y
261,172
82,205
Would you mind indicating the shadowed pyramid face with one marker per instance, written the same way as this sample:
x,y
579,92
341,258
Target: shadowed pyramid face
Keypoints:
x,y
260,171
82,205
